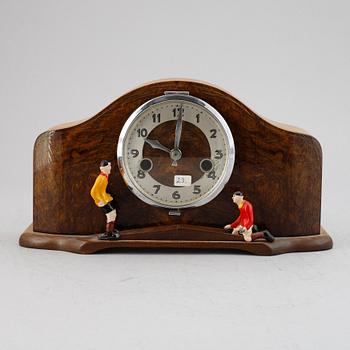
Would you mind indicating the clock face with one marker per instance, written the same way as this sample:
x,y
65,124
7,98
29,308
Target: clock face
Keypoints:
x,y
176,151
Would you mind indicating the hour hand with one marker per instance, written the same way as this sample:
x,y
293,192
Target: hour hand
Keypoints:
x,y
157,145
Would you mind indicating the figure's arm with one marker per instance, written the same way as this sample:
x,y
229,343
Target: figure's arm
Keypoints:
x,y
97,193
248,217
236,223
106,197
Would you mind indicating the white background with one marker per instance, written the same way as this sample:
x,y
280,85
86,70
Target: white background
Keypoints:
x,y
66,60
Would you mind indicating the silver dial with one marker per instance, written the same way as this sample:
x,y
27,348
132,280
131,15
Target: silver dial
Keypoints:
x,y
176,151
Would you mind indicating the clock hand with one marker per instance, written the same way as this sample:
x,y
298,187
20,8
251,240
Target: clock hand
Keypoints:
x,y
178,130
155,144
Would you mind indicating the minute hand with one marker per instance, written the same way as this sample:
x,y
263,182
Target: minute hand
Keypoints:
x,y
178,129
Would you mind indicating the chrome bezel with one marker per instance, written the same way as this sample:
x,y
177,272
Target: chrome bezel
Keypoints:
x,y
214,113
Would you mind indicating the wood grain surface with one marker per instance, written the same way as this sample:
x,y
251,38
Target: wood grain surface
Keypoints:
x,y
278,169
174,236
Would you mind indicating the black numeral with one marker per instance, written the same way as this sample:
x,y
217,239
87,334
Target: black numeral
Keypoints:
x,y
176,195
198,118
134,153
213,133
197,189
142,132
157,188
212,175
156,118
176,111
219,154
141,174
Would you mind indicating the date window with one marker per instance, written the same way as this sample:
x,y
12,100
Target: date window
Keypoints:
x,y
182,180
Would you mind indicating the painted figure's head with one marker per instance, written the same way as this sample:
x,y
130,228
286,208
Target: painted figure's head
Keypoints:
x,y
106,167
237,198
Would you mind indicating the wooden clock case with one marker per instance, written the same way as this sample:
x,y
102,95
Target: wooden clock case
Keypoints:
x,y
277,167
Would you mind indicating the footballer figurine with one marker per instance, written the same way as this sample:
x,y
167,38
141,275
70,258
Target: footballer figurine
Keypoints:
x,y
105,201
244,224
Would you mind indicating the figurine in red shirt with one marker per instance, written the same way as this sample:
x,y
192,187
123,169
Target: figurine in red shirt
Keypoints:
x,y
243,225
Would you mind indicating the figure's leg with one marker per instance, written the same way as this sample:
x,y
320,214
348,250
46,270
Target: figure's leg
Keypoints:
x,y
114,229
111,215
257,235
263,234
247,234
109,227
237,236
110,230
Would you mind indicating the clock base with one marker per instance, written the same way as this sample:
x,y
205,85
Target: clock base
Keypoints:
x,y
174,236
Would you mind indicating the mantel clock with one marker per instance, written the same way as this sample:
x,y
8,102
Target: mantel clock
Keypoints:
x,y
170,164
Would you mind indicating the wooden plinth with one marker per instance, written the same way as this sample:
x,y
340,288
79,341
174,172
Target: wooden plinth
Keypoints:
x,y
174,236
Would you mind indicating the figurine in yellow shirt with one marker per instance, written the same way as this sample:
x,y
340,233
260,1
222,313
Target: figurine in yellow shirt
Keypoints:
x,y
105,201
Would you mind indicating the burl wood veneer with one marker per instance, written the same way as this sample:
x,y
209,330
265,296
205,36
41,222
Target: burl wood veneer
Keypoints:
x,y
277,167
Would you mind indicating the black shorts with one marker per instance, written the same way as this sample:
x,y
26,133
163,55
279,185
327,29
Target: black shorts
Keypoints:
x,y
107,208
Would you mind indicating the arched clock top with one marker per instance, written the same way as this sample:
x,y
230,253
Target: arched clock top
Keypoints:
x,y
278,167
